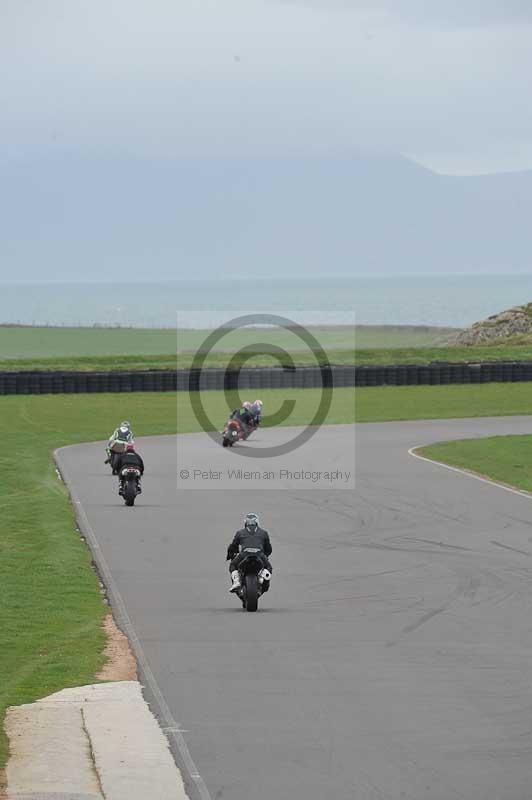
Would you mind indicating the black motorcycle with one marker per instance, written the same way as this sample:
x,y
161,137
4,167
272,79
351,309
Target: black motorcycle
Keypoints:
x,y
254,579
130,477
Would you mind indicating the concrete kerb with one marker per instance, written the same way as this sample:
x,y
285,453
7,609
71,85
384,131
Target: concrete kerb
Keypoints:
x,y
194,783
97,741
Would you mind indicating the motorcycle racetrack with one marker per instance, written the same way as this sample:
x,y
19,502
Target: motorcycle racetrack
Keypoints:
x,y
391,657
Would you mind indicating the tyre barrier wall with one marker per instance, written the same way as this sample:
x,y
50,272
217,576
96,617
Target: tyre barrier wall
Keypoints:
x,y
263,378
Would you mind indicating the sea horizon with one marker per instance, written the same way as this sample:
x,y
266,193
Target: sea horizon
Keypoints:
x,y
451,300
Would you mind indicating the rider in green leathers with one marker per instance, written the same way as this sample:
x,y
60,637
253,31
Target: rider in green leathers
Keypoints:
x,y
118,441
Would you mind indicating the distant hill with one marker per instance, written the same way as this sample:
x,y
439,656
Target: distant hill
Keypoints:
x,y
89,217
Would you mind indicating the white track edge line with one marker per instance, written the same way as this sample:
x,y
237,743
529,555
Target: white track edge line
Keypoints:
x,y
468,473
124,620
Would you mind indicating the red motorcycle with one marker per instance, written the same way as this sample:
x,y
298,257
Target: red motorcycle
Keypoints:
x,y
234,432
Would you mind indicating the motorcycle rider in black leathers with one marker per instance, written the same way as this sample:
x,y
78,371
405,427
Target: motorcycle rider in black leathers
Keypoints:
x,y
129,459
250,536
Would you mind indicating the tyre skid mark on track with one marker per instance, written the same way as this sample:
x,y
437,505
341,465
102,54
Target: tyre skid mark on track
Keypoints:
x,y
413,626
417,504
365,575
398,549
498,586
501,589
509,547
319,603
466,588
428,615
438,544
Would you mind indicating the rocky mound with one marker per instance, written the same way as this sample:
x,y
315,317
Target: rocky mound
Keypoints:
x,y
513,322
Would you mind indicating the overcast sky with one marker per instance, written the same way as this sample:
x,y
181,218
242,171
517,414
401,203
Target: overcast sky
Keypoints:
x,y
443,81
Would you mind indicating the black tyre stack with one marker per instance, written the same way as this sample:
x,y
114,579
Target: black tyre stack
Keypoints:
x,y
255,378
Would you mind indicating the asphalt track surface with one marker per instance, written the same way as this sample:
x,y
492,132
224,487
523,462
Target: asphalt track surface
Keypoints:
x,y
392,656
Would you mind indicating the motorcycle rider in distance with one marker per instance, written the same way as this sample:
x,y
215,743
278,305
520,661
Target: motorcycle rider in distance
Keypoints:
x,y
244,415
250,536
118,441
256,411
128,459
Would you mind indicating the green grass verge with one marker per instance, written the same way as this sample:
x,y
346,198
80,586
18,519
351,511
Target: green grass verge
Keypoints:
x,y
502,458
35,343
50,606
399,355
103,349
383,404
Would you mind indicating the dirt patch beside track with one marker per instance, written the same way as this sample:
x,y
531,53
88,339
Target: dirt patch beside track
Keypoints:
x,y
120,664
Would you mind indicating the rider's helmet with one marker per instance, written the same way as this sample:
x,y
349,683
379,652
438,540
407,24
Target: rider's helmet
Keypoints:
x,y
247,405
258,403
130,447
251,522
125,424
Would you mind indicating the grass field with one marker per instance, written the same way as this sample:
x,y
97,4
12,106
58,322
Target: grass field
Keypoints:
x,y
502,458
35,343
50,605
121,349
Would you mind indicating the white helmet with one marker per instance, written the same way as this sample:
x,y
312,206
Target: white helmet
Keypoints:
x,y
247,405
251,521
258,404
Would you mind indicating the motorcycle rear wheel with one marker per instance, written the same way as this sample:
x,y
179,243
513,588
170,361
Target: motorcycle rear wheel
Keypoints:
x,y
130,493
251,592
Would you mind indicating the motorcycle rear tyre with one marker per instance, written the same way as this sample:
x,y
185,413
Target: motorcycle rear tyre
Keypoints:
x,y
130,493
252,592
